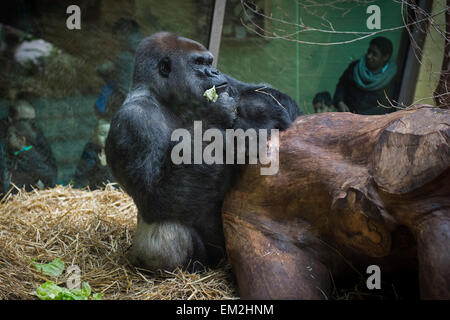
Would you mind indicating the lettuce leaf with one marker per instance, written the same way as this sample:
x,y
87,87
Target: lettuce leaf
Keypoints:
x,y
83,293
51,291
97,296
54,268
211,94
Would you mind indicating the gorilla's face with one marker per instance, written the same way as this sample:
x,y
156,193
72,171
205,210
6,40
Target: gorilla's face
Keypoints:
x,y
191,73
176,69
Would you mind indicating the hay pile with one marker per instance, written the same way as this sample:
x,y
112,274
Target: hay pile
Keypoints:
x,y
92,230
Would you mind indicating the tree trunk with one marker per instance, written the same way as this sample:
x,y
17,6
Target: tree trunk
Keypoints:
x,y
346,185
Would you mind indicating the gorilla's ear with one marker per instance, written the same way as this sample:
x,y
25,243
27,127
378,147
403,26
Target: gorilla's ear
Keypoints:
x,y
164,67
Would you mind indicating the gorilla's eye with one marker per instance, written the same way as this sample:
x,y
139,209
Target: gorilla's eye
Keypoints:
x,y
200,60
203,60
164,67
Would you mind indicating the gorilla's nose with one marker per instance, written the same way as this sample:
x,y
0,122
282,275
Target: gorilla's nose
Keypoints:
x,y
211,72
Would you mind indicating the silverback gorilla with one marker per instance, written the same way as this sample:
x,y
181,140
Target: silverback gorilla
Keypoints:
x,y
179,206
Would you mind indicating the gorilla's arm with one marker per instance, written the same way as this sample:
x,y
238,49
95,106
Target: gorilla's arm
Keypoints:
x,y
137,144
261,106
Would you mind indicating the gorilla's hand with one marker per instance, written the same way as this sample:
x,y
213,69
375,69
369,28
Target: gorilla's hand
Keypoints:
x,y
224,111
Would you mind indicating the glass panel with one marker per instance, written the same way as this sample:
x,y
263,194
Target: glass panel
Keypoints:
x,y
282,42
70,79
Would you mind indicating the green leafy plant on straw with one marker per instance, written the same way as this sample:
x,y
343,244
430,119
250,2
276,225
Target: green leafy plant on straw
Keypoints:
x,y
51,291
53,269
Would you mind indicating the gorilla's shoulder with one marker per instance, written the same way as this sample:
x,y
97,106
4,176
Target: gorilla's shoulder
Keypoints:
x,y
141,97
129,113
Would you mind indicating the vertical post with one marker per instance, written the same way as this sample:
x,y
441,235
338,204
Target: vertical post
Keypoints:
x,y
216,29
441,97
297,55
412,64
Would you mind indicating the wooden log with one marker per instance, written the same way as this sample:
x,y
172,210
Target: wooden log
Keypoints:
x,y
348,187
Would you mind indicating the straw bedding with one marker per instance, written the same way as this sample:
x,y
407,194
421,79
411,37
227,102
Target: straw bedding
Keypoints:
x,y
92,230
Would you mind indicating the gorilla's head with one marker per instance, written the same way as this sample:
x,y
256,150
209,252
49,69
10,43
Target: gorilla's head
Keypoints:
x,y
175,69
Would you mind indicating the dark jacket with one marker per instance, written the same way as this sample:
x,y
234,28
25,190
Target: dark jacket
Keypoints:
x,y
4,172
41,144
24,170
3,129
89,171
361,101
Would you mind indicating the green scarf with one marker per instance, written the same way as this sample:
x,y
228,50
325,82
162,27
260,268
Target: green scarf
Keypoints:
x,y
369,81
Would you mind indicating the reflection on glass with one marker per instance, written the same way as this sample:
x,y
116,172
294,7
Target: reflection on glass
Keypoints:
x,y
283,43
75,79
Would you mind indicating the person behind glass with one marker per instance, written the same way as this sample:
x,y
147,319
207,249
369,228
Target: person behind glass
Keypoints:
x,y
322,102
92,170
366,82
118,74
25,165
22,111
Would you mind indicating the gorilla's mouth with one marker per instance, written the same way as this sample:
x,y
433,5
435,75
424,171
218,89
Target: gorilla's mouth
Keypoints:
x,y
221,87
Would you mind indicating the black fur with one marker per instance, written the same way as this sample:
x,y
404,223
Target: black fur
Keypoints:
x,y
262,107
170,77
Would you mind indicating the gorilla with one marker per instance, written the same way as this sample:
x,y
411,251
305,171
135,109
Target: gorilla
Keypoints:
x,y
179,205
262,107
